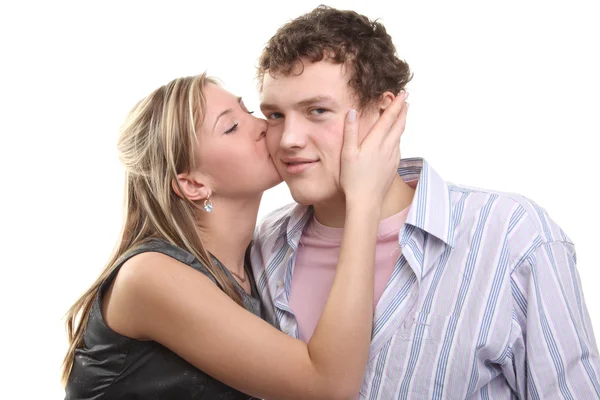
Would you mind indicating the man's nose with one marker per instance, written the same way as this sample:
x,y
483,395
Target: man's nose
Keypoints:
x,y
294,135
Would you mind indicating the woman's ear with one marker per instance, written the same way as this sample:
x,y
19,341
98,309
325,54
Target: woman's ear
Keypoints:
x,y
188,186
386,99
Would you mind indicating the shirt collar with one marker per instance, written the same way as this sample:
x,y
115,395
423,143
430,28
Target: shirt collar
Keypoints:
x,y
429,211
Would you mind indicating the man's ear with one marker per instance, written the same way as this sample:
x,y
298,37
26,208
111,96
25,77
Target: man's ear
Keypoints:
x,y
386,99
187,185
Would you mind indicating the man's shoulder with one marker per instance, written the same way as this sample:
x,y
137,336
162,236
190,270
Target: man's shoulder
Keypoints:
x,y
523,212
504,198
275,223
268,235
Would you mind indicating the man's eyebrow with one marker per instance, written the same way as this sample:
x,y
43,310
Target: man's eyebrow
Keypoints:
x,y
239,99
302,103
316,99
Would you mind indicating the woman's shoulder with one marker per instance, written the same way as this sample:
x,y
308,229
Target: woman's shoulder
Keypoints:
x,y
155,253
157,261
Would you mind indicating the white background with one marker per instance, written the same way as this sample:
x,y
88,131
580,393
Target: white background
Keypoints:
x,y
505,96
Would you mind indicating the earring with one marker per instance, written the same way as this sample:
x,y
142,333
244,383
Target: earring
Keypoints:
x,y
208,206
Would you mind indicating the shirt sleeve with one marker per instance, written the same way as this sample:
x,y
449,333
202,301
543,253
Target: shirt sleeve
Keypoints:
x,y
553,350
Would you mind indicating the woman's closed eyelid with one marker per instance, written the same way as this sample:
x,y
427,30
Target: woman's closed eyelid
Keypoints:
x,y
244,108
232,129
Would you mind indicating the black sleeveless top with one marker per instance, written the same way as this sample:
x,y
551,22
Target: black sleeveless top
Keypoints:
x,y
112,366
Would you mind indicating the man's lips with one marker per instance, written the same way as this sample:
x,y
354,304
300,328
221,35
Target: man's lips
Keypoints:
x,y
298,165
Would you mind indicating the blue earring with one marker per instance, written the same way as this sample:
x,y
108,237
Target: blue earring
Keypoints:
x,y
208,206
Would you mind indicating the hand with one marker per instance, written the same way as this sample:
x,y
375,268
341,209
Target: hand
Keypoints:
x,y
368,168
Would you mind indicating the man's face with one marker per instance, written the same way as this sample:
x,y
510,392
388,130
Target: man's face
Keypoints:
x,y
306,114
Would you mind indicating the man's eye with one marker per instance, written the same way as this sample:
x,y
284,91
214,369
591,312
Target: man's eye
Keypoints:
x,y
275,115
318,111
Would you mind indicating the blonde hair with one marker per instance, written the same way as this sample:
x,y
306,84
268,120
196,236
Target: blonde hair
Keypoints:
x,y
156,143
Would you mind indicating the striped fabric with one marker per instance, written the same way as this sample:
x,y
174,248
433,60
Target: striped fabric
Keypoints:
x,y
485,301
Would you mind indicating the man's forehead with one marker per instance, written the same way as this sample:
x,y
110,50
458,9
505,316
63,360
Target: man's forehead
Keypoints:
x,y
280,97
315,82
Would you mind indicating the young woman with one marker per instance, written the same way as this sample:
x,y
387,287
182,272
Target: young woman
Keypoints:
x,y
175,313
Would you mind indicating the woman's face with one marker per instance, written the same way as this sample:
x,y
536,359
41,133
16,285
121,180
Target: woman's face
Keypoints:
x,y
232,153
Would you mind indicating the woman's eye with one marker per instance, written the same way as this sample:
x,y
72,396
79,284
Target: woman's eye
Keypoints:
x,y
243,106
232,129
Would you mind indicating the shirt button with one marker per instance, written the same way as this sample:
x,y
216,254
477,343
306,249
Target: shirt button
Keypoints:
x,y
279,283
286,330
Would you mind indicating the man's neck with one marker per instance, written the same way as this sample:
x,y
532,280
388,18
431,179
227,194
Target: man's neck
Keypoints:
x,y
227,231
332,213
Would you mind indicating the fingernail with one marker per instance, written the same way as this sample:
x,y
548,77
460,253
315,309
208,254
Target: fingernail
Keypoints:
x,y
352,115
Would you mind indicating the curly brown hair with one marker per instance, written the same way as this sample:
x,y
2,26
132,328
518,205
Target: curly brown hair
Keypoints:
x,y
338,36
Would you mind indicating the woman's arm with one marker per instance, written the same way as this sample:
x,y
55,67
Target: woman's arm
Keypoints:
x,y
158,298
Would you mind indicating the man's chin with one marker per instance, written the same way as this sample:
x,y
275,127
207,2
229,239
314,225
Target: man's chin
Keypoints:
x,y
301,197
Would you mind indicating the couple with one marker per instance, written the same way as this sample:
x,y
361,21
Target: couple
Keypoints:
x,y
384,281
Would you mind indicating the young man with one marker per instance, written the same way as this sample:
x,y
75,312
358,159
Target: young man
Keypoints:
x,y
476,292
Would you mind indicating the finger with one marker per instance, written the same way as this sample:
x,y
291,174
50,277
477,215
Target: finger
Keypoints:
x,y
397,129
382,127
350,132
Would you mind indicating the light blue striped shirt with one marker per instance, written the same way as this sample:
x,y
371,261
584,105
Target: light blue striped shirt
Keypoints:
x,y
484,302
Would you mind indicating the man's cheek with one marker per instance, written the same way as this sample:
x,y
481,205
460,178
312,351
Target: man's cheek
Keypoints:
x,y
335,135
273,140
332,147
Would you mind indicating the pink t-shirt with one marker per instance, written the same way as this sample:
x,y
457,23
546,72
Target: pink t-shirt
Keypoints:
x,y
316,263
